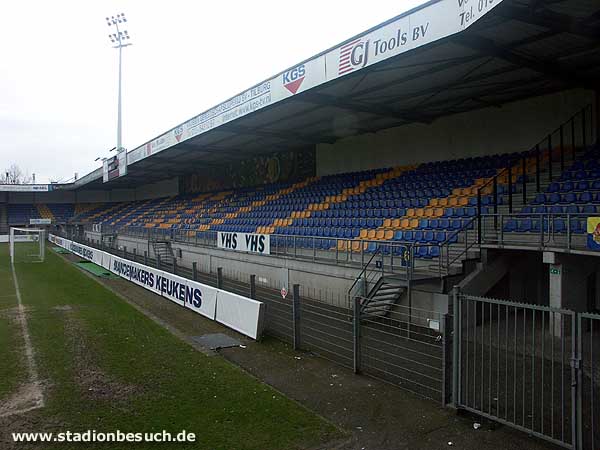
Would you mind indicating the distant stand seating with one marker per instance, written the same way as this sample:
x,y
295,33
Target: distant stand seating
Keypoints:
x,y
20,214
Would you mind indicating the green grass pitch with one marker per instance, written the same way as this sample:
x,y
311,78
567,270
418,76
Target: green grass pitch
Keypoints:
x,y
105,366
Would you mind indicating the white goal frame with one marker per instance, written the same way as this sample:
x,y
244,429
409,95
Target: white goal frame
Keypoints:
x,y
38,252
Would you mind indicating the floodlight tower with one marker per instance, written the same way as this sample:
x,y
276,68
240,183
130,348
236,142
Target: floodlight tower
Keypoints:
x,y
120,39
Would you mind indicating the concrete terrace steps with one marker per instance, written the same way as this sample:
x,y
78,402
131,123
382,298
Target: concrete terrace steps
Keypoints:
x,y
164,251
381,301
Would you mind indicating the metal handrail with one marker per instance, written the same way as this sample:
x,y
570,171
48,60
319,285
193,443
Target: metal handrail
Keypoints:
x,y
547,230
364,270
536,151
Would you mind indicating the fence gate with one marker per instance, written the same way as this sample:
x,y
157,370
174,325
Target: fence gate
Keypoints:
x,y
588,399
516,363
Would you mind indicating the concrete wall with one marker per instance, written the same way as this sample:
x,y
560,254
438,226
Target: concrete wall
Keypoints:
x,y
328,282
276,272
513,127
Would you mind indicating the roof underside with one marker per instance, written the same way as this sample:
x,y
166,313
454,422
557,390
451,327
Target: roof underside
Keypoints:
x,y
521,49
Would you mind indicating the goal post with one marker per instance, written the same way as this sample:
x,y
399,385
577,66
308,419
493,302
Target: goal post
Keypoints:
x,y
27,245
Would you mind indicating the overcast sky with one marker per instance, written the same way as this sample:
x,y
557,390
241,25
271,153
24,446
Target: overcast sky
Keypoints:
x,y
58,72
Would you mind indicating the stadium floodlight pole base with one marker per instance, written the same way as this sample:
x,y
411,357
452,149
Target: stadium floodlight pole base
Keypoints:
x,y
27,245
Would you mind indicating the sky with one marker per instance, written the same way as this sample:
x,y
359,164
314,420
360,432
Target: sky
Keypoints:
x,y
58,71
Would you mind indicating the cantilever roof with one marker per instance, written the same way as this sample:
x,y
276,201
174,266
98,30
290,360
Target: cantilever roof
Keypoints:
x,y
436,60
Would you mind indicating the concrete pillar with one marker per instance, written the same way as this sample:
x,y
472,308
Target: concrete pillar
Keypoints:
x,y
555,288
556,294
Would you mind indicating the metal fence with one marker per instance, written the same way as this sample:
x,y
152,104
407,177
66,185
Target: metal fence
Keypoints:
x,y
438,258
400,346
588,399
406,347
528,366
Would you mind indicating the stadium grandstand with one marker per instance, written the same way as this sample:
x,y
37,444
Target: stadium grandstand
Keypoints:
x,y
434,181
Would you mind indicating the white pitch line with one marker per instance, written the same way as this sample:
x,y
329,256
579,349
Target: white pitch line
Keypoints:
x,y
30,396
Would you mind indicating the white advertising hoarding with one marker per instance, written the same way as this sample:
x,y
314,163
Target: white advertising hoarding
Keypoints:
x,y
115,166
235,311
40,221
245,242
25,188
242,314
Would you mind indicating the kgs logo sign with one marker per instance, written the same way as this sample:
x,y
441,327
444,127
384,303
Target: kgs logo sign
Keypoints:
x,y
292,79
178,132
356,54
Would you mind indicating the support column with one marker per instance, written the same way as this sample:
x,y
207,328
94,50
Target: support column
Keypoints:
x,y
555,287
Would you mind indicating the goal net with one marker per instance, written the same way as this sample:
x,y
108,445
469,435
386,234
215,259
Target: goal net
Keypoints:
x,y
26,245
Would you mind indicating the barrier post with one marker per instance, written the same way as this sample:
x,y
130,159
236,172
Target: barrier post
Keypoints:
x,y
447,346
455,345
134,254
124,252
174,266
253,287
220,277
356,334
145,258
158,262
296,316
195,271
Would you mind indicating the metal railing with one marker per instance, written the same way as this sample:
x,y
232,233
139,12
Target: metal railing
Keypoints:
x,y
532,367
393,255
561,144
545,230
